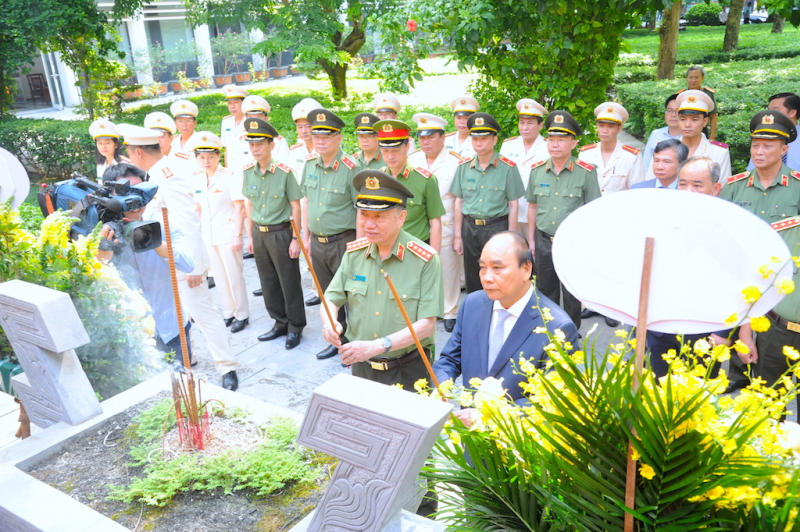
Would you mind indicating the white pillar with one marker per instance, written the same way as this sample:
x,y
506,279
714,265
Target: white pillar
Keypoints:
x,y
259,61
204,58
139,50
72,94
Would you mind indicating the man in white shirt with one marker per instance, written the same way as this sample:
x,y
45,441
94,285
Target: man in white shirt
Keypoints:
x,y
185,114
526,149
618,165
232,125
299,152
671,131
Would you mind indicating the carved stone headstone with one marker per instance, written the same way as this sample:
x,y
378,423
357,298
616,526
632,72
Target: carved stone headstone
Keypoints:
x,y
44,329
382,435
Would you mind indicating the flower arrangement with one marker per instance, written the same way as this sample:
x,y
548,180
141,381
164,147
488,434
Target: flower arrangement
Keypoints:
x,y
117,319
558,461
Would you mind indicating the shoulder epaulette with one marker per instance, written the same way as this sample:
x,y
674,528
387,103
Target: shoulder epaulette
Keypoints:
x,y
293,146
227,116
587,147
361,243
508,161
718,143
424,172
456,154
511,138
182,155
312,156
538,164
421,250
124,159
248,166
709,89
464,160
795,174
278,138
285,168
449,134
167,172
680,91
198,172
415,151
356,155
631,149
586,165
350,163
794,221
738,177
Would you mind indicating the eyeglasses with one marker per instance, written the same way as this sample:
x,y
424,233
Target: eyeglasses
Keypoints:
x,y
672,112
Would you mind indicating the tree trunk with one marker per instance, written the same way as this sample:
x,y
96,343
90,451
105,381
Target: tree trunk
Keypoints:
x,y
731,41
777,24
668,47
651,25
337,74
4,99
88,94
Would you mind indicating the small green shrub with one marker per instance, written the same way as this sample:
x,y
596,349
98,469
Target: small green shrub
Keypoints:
x,y
703,14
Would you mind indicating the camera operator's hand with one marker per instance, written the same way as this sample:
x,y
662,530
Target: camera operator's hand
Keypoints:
x,y
294,249
108,234
194,280
237,243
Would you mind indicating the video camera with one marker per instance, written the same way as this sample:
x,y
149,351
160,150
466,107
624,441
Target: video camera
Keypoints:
x,y
92,204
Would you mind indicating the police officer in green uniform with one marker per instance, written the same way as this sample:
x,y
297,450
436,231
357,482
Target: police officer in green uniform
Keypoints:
x,y
425,207
369,155
771,190
271,196
329,222
558,185
381,347
487,188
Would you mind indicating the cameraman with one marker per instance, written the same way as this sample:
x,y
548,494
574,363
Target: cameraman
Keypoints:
x,y
149,271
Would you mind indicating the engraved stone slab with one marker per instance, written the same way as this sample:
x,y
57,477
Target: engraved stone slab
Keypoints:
x,y
382,435
44,329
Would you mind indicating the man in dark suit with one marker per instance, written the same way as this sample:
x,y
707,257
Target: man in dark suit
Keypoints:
x,y
667,158
479,347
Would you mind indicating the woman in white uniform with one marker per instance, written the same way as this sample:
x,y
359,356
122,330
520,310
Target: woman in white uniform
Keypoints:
x,y
220,203
108,148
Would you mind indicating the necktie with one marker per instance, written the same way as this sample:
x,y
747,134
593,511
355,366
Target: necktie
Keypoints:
x,y
496,341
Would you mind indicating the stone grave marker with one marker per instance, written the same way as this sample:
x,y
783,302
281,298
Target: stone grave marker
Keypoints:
x,y
44,329
382,435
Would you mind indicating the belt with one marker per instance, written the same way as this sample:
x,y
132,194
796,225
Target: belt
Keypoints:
x,y
792,326
385,364
488,221
270,228
333,238
546,235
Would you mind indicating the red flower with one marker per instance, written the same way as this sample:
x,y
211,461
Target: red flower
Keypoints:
x,y
411,25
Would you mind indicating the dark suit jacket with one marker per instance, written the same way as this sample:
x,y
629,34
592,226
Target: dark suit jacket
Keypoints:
x,y
650,183
466,352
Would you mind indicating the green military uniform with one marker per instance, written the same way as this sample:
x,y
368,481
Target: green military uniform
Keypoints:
x,y
330,194
486,193
558,195
426,204
779,201
415,269
784,318
271,194
376,163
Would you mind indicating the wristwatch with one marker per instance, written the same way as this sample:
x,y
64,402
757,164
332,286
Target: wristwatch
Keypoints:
x,y
387,344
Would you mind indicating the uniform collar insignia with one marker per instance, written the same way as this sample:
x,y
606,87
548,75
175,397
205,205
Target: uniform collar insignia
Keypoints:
x,y
571,166
401,251
272,168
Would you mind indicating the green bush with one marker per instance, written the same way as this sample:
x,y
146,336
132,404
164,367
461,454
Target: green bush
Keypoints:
x,y
742,90
51,150
703,14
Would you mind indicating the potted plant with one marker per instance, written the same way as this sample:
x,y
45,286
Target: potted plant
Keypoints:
x,y
228,50
154,58
179,58
257,75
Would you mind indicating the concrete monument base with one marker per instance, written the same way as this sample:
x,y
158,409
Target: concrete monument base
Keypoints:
x,y
404,522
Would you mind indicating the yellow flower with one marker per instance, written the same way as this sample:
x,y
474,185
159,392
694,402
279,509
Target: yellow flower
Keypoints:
x,y
702,346
775,259
540,330
546,316
796,261
732,320
790,352
751,294
622,333
741,348
721,353
765,271
421,385
729,446
785,286
635,455
760,324
647,472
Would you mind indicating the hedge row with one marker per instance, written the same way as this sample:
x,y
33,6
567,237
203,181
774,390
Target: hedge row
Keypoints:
x,y
742,90
54,149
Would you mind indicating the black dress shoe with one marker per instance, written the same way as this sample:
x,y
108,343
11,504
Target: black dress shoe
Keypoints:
x,y
587,313
230,381
211,283
238,325
328,352
248,255
258,292
228,321
292,340
313,301
449,325
271,335
610,322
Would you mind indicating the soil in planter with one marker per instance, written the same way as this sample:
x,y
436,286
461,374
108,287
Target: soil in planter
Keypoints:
x,y
89,465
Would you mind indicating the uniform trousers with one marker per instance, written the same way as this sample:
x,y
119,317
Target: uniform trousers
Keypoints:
x,y
547,280
659,344
326,259
227,266
474,237
407,374
452,269
199,304
280,279
771,361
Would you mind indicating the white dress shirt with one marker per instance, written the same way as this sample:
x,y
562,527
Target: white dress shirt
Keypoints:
x,y
515,310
